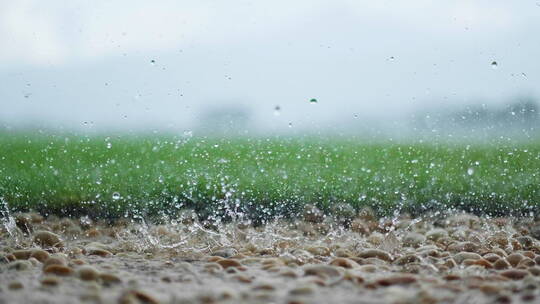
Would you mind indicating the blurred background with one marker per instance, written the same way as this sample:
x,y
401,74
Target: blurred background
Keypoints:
x,y
451,68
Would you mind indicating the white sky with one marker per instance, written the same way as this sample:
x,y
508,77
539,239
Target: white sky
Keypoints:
x,y
64,63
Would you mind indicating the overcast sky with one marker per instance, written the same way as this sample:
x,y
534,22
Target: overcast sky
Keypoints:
x,y
159,64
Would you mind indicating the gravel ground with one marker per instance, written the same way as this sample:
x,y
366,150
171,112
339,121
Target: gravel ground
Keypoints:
x,y
456,258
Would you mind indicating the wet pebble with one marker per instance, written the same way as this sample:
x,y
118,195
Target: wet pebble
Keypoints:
x,y
47,239
376,253
413,239
87,273
15,285
60,270
20,265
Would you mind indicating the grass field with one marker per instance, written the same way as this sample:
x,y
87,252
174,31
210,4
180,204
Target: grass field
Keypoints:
x,y
113,176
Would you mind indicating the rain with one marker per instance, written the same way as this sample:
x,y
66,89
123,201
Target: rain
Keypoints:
x,y
306,152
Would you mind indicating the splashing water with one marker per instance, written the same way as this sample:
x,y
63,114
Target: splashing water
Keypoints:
x,y
7,220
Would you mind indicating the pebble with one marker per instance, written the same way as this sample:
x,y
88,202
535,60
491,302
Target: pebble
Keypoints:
x,y
407,259
225,252
344,262
436,234
312,214
15,285
376,253
56,269
324,271
413,239
50,281
39,254
514,274
55,260
20,265
226,263
397,280
87,273
47,239
514,259
97,251
136,296
460,257
501,264
109,278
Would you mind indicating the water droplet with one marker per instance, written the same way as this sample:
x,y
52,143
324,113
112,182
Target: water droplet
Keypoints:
x,y
153,62
290,125
355,115
392,58
109,145
116,196
470,171
494,65
277,110
313,101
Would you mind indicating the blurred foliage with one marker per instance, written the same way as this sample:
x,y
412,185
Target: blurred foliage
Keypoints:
x,y
262,176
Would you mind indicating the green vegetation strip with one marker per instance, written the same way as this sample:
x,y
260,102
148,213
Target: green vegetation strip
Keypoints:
x,y
121,175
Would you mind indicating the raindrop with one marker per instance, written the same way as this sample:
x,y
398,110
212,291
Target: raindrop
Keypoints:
x,y
355,115
116,196
313,101
277,110
109,145
290,125
392,58
470,171
153,62
494,65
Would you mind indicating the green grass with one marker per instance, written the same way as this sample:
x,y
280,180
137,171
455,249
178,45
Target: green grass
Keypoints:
x,y
264,176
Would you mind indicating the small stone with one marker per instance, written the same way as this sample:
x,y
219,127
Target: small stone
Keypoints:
x,y
20,265
501,264
344,262
407,259
324,271
436,234
525,263
50,281
225,252
97,251
22,254
312,214
514,259
376,253
55,260
302,290
344,213
525,241
242,278
87,273
396,280
109,278
460,257
136,296
463,246
39,254
60,270
535,232
514,274
413,239
47,239
24,222
491,257
226,263
15,285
